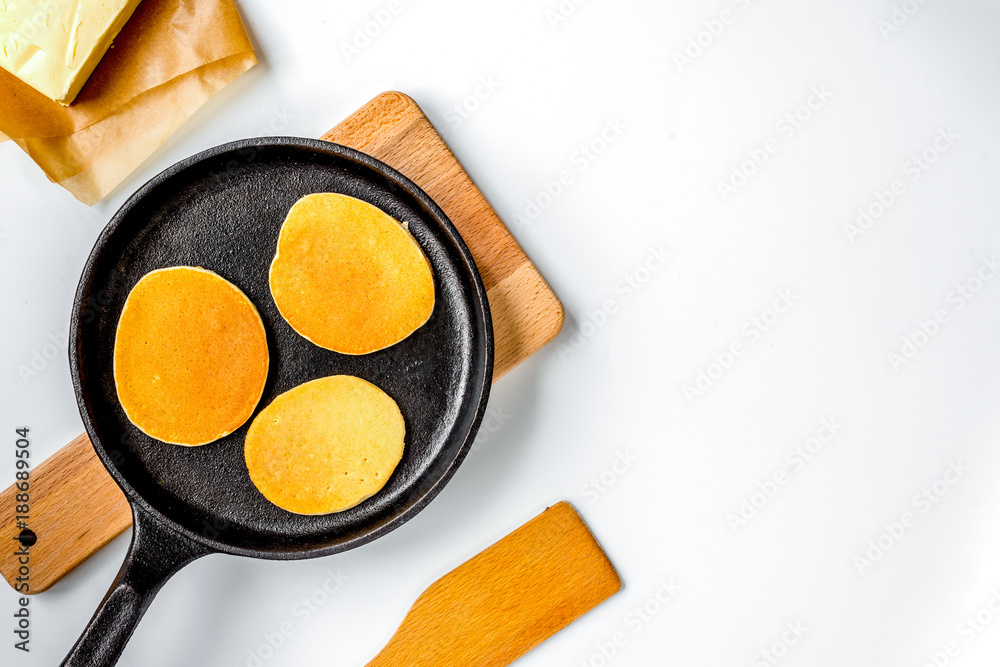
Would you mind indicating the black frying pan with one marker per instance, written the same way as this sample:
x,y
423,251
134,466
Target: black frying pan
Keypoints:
x,y
222,210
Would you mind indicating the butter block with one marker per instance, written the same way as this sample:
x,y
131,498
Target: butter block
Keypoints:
x,y
54,45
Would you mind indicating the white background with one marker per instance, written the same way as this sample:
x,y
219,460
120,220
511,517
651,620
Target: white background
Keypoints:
x,y
569,412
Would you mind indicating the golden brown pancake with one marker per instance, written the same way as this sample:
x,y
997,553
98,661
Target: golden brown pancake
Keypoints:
x,y
190,356
326,445
349,277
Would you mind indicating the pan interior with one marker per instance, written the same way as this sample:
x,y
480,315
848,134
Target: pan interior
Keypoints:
x,y
222,210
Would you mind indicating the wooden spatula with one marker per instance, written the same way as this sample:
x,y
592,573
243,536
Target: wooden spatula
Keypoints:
x,y
496,607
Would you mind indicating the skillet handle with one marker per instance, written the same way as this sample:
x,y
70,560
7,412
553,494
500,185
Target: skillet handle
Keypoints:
x,y
156,553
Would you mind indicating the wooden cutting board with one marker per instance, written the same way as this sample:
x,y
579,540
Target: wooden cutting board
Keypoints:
x,y
76,508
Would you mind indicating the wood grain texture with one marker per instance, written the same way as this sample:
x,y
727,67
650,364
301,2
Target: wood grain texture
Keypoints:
x,y
502,603
76,508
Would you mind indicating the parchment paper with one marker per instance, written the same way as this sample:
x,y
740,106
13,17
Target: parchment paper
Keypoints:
x,y
170,58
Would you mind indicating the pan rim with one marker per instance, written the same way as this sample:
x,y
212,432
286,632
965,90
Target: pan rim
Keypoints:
x,y
479,385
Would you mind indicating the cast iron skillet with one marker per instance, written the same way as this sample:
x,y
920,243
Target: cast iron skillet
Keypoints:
x,y
222,210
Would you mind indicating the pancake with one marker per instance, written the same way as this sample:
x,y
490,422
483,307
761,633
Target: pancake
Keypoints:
x,y
349,277
325,445
191,358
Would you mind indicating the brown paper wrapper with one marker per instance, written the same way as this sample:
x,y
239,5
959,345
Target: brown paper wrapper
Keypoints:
x,y
170,58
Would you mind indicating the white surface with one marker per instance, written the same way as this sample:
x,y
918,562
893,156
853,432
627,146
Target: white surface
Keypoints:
x,y
567,416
